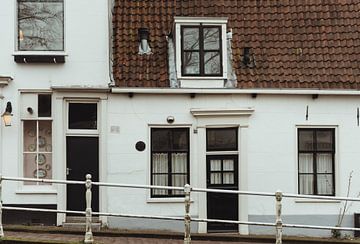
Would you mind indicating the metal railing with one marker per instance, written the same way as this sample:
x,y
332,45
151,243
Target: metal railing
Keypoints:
x,y
88,238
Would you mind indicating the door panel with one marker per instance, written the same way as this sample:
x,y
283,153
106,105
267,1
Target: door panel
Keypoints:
x,y
222,173
82,157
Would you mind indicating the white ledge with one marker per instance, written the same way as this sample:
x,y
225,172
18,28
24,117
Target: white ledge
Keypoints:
x,y
220,91
221,112
316,201
4,80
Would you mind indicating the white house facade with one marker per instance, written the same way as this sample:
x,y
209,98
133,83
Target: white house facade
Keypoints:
x,y
137,92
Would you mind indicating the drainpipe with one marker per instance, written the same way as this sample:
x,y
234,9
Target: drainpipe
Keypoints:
x,y
110,44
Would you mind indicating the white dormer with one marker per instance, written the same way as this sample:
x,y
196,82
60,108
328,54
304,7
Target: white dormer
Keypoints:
x,y
201,51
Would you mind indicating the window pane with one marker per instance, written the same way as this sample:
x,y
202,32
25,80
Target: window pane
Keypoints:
x,y
45,136
191,63
160,180
180,139
306,163
45,169
211,38
191,38
222,139
228,164
82,116
41,25
306,140
44,105
306,183
324,140
160,163
324,163
178,180
215,165
212,63
215,178
29,167
179,162
160,139
228,178
325,184
30,137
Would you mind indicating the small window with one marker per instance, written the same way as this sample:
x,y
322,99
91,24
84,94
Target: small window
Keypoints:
x,y
201,51
40,25
316,153
44,105
83,116
169,160
221,139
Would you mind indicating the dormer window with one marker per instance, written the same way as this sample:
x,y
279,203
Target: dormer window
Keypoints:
x,y
201,50
200,46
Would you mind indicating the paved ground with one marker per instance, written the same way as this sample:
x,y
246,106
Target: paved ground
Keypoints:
x,y
103,240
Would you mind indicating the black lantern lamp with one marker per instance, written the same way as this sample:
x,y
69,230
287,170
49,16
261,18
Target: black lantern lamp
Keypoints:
x,y
7,115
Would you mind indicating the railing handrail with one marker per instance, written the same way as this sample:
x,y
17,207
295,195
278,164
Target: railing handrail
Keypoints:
x,y
193,189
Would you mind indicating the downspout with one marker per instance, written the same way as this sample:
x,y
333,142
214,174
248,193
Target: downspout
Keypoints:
x,y
110,44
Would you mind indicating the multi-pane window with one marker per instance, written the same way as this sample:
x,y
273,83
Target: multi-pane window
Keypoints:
x,y
37,145
40,25
201,50
169,160
222,169
316,153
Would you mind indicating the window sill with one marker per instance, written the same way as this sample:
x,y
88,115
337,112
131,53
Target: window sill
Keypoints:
x,y
316,201
33,190
40,53
202,82
39,57
167,200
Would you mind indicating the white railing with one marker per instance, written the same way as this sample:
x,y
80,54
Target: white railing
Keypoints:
x,y
278,224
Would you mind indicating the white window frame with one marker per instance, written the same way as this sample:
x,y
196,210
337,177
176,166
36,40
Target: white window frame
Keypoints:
x,y
22,52
212,21
83,132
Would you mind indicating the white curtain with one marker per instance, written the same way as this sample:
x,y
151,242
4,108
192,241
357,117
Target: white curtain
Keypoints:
x,y
325,180
160,165
228,177
306,182
179,165
215,165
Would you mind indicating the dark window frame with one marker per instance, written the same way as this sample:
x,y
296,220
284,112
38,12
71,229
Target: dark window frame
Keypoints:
x,y
235,171
201,51
170,193
222,149
315,151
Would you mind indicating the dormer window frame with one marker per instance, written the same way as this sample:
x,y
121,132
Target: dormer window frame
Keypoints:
x,y
201,23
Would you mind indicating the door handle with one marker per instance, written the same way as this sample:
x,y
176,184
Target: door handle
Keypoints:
x,y
68,171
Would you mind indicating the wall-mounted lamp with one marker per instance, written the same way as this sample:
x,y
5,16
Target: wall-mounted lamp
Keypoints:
x,y
144,47
7,114
30,110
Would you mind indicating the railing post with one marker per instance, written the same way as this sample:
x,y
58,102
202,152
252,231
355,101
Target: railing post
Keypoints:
x,y
1,226
187,218
88,235
279,227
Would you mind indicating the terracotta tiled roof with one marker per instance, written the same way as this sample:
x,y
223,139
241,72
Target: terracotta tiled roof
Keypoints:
x,y
296,43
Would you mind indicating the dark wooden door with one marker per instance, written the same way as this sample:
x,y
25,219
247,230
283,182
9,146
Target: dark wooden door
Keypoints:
x,y
222,173
82,157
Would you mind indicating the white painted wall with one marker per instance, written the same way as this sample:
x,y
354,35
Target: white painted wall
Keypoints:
x,y
268,154
86,65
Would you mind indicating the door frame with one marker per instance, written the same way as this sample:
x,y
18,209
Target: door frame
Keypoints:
x,y
62,99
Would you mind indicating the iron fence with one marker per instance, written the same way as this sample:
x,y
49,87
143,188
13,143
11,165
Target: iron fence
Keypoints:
x,y
88,238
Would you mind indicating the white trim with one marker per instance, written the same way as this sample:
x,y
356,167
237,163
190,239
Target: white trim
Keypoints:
x,y
215,20
222,152
235,91
25,191
221,112
45,53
